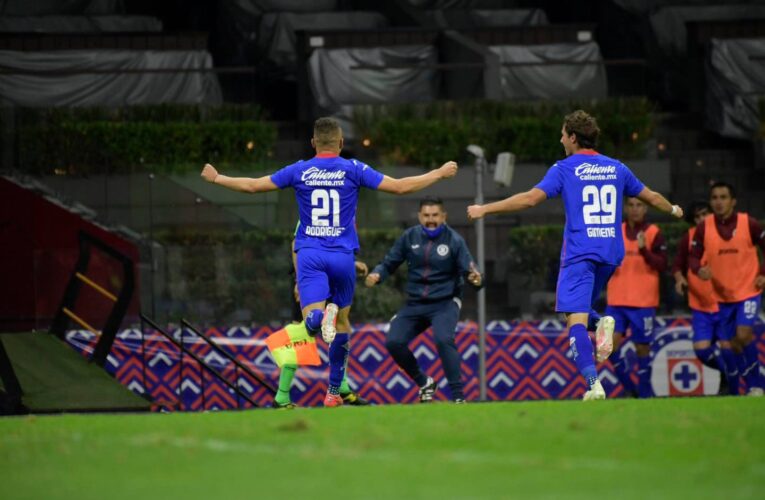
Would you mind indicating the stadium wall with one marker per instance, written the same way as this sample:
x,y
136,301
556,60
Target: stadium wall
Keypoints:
x,y
526,360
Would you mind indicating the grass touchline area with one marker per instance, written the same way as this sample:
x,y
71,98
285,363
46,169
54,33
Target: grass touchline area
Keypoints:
x,y
701,448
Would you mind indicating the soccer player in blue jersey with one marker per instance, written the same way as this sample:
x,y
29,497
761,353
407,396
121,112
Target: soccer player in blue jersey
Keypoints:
x,y
592,187
327,190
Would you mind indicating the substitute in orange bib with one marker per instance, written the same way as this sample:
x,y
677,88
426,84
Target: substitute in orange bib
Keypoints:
x,y
703,302
633,295
728,240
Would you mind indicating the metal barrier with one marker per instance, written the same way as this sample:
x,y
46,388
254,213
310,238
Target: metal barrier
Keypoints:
x,y
78,278
229,356
202,365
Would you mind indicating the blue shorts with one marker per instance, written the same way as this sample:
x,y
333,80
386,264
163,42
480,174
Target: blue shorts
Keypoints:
x,y
733,314
323,275
706,326
639,319
580,284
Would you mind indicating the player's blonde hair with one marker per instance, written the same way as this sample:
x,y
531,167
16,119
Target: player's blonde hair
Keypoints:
x,y
584,126
327,132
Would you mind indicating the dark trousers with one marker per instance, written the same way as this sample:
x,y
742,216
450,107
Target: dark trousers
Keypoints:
x,y
414,319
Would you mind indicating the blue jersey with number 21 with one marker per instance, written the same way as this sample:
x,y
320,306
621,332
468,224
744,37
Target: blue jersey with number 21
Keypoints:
x,y
592,187
327,193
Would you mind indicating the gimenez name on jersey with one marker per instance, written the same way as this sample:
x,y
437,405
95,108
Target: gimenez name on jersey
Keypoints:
x,y
601,232
315,176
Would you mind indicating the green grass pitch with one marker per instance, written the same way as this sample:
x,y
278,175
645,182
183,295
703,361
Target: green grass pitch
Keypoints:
x,y
662,448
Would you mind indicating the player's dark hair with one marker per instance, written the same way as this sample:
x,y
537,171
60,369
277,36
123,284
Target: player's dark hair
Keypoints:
x,y
693,207
721,184
326,132
584,126
431,200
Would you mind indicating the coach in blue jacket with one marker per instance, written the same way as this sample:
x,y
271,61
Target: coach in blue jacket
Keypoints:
x,y
439,262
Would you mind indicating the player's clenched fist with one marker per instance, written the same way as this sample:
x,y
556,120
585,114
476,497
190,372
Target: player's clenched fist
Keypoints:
x,y
677,211
475,212
209,173
448,169
372,280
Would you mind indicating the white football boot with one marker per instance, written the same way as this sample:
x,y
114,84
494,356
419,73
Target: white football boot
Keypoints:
x,y
604,338
596,392
328,329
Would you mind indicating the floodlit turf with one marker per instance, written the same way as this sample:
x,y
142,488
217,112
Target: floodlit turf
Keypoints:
x,y
670,448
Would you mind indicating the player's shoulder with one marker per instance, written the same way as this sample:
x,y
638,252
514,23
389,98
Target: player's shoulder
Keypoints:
x,y
356,164
292,167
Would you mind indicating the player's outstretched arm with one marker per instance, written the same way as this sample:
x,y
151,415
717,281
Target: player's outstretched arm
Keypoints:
x,y
241,184
418,182
659,202
520,201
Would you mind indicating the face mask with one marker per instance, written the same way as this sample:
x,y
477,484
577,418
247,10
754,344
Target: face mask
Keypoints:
x,y
433,233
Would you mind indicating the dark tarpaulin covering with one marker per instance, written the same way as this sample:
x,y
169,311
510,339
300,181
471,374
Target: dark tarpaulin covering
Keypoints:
x,y
555,81
735,83
333,82
668,23
458,4
79,24
645,6
107,89
258,7
238,25
53,7
277,30
467,19
336,88
509,17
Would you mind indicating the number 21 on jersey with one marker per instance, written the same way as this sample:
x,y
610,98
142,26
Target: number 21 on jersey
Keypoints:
x,y
599,204
324,202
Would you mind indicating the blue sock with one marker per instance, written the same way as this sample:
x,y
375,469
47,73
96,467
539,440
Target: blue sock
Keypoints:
x,y
592,321
708,357
313,321
731,370
623,369
752,373
644,377
581,348
338,353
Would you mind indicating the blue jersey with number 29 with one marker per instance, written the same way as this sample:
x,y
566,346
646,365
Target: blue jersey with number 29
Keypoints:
x,y
327,193
592,187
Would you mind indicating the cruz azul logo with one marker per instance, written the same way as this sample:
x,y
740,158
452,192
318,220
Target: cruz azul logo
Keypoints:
x,y
676,370
590,172
315,176
685,377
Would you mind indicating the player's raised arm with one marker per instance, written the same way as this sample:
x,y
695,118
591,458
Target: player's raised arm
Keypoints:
x,y
659,202
241,184
418,182
520,201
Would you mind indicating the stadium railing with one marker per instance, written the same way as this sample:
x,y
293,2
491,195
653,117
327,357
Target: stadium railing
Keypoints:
x,y
202,366
237,364
77,279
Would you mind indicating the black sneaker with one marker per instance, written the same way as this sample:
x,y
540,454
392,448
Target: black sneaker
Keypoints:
x,y
427,391
459,401
353,399
724,389
286,406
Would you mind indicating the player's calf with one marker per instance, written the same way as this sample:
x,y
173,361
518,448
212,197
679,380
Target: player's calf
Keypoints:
x,y
313,321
